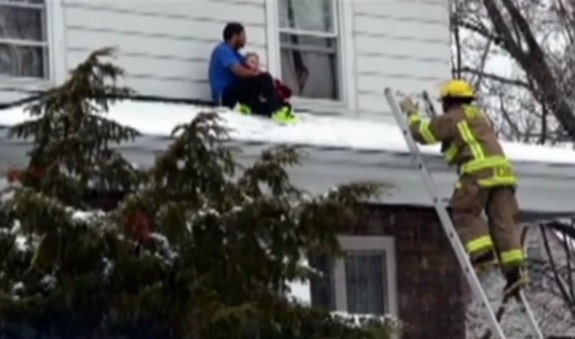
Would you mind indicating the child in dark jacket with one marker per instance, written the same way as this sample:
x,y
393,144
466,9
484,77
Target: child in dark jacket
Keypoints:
x,y
283,91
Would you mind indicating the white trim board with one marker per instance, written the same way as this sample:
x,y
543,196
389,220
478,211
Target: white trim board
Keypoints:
x,y
56,40
543,189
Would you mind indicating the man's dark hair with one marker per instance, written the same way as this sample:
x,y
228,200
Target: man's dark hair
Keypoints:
x,y
232,29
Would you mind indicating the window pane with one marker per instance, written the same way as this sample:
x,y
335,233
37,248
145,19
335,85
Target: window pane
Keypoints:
x,y
322,289
23,61
310,15
366,280
22,23
310,66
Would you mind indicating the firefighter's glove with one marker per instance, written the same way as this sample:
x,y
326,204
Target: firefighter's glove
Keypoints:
x,y
408,106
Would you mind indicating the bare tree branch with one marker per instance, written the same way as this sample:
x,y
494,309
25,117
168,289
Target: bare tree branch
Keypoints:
x,y
532,61
564,294
482,63
506,116
456,70
469,70
477,28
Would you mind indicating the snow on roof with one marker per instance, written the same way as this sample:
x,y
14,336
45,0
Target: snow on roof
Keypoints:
x,y
356,134
301,291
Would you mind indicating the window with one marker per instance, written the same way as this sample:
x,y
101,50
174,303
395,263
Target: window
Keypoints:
x,y
362,282
23,39
365,280
308,41
322,288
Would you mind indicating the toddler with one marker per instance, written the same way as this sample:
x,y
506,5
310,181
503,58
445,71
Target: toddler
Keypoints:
x,y
283,91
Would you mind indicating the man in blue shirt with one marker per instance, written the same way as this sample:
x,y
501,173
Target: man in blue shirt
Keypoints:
x,y
232,82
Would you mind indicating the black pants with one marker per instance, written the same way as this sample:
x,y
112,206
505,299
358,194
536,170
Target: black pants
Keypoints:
x,y
258,93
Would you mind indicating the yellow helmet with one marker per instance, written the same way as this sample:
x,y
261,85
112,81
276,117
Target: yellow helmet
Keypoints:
x,y
457,89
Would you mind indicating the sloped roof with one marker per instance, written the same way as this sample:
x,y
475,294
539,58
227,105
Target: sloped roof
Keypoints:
x,y
158,119
340,150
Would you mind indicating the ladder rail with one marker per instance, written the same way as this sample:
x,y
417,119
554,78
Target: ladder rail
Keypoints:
x,y
429,105
444,217
521,300
498,315
530,316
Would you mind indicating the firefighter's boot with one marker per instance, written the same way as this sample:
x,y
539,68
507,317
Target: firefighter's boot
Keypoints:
x,y
517,278
484,261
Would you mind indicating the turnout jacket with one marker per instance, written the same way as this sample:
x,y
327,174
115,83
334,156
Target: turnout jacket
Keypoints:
x,y
471,144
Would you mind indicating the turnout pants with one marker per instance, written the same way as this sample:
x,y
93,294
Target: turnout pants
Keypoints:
x,y
499,233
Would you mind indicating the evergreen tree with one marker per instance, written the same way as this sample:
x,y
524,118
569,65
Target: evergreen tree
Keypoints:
x,y
200,247
71,138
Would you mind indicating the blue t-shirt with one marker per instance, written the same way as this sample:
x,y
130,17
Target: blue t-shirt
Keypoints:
x,y
223,58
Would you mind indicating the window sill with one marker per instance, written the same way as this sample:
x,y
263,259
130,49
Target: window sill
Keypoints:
x,y
321,107
23,85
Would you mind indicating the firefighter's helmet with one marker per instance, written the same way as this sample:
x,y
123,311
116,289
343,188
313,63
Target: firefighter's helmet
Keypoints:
x,y
457,89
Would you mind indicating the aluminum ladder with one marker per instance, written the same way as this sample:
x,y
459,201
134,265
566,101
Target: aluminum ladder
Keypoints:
x,y
451,233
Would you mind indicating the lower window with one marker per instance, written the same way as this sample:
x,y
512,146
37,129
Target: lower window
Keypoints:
x,y
365,280
362,282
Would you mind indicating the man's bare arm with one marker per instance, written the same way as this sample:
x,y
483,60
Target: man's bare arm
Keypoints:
x,y
244,72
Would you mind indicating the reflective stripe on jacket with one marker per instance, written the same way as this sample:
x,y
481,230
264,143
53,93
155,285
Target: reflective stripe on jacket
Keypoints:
x,y
474,146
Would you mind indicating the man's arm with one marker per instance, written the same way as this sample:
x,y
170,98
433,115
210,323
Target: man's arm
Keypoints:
x,y
229,60
244,72
431,131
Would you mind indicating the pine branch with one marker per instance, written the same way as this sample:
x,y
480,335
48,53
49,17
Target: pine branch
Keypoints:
x,y
198,162
270,170
71,139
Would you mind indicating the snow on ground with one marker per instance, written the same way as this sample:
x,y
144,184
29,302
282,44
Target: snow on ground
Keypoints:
x,y
361,134
570,241
561,237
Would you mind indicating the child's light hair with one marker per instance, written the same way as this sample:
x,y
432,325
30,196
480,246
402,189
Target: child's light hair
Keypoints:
x,y
252,60
252,54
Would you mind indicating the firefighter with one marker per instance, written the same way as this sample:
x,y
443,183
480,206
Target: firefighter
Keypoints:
x,y
487,181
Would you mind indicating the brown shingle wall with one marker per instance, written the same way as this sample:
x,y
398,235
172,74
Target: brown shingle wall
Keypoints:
x,y
429,279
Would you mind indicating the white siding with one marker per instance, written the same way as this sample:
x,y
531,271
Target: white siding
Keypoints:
x,y
10,92
399,43
164,46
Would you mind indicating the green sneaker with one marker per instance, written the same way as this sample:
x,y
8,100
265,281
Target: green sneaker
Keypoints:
x,y
244,109
285,115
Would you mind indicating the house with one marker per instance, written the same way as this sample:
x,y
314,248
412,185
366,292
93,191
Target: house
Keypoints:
x,y
398,260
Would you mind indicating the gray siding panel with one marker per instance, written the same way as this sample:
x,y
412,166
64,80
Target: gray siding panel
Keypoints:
x,y
8,95
21,89
399,43
164,46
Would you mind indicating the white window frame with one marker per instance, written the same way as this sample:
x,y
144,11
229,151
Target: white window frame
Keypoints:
x,y
343,25
366,243
54,22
